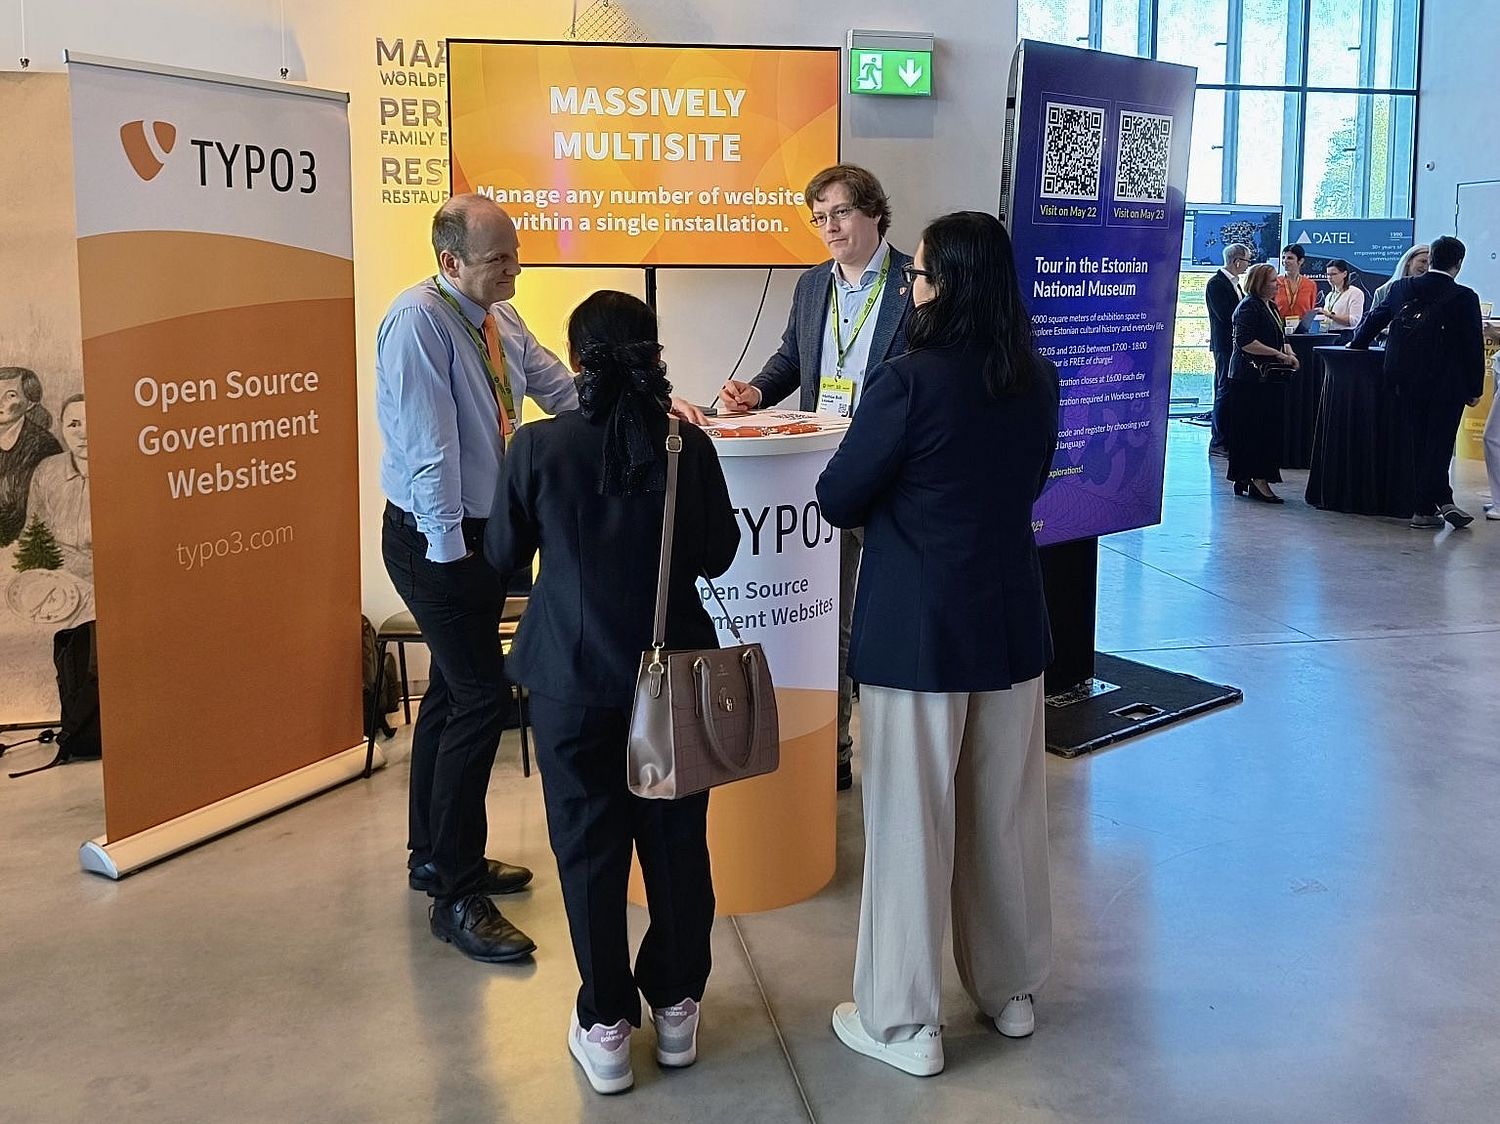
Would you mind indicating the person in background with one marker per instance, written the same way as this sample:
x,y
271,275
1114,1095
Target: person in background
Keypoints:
x,y
1296,295
25,441
1344,306
60,492
1492,445
1443,381
1413,263
1222,295
1256,399
847,318
590,485
941,466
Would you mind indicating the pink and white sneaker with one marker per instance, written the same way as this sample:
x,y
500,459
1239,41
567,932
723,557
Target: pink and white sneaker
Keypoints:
x,y
676,1034
604,1053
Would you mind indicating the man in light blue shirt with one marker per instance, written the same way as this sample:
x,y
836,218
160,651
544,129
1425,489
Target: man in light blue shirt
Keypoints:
x,y
449,354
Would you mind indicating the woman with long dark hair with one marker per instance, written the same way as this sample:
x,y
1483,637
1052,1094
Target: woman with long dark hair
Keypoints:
x,y
941,465
590,485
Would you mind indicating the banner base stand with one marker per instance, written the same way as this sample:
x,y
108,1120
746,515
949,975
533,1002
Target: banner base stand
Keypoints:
x,y
126,856
1124,699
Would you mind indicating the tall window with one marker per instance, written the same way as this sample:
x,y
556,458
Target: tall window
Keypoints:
x,y
1306,104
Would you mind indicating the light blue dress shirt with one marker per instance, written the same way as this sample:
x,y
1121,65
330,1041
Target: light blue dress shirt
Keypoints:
x,y
851,299
437,412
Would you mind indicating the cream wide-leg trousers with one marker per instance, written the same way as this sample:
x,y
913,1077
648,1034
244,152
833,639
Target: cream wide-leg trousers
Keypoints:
x,y
955,798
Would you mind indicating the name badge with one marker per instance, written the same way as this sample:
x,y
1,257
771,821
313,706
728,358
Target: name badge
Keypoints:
x,y
836,396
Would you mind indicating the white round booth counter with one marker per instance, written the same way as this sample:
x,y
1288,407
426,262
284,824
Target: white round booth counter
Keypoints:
x,y
772,839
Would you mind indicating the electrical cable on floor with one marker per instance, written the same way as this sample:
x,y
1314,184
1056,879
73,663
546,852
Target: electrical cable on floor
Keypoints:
x,y
771,1014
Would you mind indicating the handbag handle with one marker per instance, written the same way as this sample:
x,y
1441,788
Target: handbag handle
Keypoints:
x,y
749,661
664,563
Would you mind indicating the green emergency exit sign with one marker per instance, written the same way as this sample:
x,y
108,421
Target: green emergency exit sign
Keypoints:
x,y
879,71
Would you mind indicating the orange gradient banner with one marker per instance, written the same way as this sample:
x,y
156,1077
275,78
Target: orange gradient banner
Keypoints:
x,y
216,280
641,155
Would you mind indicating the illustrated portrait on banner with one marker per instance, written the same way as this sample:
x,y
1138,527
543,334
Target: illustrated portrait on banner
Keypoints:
x,y
46,548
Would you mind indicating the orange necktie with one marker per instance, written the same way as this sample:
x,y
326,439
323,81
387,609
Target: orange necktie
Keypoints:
x,y
497,362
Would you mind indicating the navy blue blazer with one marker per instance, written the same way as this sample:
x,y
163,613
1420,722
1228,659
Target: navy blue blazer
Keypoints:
x,y
942,477
799,359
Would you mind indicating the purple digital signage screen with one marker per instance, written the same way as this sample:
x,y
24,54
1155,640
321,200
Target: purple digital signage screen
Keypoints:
x,y
1094,195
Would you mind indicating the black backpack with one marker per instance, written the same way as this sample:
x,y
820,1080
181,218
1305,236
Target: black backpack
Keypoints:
x,y
390,684
1415,339
75,655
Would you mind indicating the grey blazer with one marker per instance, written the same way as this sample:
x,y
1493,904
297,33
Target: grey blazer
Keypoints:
x,y
800,357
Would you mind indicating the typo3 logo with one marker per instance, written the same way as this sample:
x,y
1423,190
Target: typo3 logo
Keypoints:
x,y
238,164
146,157
283,168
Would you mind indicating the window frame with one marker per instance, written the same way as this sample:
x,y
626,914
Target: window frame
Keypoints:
x,y
1405,46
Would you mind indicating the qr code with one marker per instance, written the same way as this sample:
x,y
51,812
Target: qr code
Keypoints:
x,y
1072,151
1145,154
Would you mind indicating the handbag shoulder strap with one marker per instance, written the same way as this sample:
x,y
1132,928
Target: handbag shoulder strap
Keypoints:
x,y
664,565
668,518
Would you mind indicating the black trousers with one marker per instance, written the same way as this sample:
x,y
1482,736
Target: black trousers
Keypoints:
x,y
1254,416
1221,385
457,605
1434,426
593,821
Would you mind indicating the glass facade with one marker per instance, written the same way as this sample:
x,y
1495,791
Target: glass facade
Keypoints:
x,y
1306,104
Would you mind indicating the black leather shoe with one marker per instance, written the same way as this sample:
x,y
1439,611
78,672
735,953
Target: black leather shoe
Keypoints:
x,y
476,927
499,878
845,776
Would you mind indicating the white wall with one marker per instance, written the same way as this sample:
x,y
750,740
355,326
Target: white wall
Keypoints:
x,y
933,155
1456,114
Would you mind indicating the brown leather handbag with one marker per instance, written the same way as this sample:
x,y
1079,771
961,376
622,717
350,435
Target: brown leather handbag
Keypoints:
x,y
701,718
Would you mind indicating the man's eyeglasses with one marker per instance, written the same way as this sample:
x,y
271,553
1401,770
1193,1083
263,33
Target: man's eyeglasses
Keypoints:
x,y
838,214
911,273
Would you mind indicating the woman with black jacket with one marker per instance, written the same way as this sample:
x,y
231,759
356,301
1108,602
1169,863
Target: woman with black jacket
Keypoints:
x,y
587,489
947,452
1255,403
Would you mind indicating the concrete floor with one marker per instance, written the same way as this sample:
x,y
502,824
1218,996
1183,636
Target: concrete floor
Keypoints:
x,y
1283,911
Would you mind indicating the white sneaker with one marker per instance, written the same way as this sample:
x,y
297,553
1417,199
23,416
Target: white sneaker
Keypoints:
x,y
920,1056
676,1034
1018,1019
604,1053
1492,511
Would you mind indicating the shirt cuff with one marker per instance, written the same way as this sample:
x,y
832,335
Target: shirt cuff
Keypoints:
x,y
449,546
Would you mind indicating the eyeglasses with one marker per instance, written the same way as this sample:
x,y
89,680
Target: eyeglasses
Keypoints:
x,y
838,214
911,273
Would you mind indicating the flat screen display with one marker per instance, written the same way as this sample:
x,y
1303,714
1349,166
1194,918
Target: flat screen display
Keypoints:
x,y
1211,227
627,155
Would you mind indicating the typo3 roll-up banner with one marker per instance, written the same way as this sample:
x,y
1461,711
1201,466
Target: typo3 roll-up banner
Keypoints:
x,y
216,283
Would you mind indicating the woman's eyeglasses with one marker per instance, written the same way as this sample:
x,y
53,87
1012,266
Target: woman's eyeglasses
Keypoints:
x,y
911,273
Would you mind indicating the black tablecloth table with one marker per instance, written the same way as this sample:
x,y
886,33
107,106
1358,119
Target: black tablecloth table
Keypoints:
x,y
1302,398
1361,459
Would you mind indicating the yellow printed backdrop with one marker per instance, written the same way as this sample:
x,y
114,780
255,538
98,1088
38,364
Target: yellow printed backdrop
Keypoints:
x,y
505,138
1471,432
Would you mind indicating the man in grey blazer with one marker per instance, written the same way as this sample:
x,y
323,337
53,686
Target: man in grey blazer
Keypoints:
x,y
848,316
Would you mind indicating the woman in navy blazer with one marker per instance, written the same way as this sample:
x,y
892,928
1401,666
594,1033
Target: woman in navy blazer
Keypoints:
x,y
949,448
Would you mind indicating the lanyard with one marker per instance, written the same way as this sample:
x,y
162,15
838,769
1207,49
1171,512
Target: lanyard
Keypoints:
x,y
841,349
499,380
